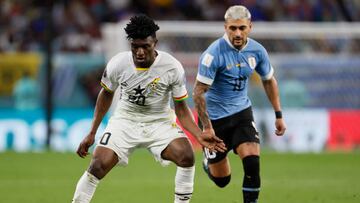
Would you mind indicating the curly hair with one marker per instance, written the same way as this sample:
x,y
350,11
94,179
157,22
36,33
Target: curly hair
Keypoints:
x,y
141,27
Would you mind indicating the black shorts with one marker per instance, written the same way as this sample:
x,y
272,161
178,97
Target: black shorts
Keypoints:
x,y
233,130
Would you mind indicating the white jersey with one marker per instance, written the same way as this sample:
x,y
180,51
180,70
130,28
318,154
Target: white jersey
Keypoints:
x,y
145,93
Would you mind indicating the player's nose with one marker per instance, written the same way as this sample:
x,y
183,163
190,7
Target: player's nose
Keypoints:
x,y
140,52
238,33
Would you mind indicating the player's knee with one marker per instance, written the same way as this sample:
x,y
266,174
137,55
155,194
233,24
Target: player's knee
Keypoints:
x,y
97,169
222,181
251,165
186,159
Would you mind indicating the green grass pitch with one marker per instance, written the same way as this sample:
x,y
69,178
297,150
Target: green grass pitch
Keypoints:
x,y
296,178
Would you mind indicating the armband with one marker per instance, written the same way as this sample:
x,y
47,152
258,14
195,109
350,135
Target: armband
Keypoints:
x,y
278,114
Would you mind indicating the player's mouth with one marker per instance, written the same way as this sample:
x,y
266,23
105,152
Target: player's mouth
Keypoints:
x,y
238,41
140,59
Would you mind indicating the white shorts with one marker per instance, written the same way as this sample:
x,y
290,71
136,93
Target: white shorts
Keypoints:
x,y
124,136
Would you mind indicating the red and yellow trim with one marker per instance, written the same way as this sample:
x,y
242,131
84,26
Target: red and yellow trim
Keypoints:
x,y
182,98
106,88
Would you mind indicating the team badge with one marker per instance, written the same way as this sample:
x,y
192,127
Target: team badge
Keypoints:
x,y
252,62
151,87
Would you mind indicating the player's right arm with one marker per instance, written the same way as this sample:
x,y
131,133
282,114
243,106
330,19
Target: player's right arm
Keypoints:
x,y
109,82
102,106
207,69
200,105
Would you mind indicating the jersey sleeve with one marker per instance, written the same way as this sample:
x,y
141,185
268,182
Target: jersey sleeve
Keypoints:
x,y
264,68
109,78
179,91
207,67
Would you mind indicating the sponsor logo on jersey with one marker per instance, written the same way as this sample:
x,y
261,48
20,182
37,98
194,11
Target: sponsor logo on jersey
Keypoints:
x,y
239,65
230,66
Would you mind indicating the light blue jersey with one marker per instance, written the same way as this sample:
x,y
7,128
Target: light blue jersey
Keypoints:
x,y
227,71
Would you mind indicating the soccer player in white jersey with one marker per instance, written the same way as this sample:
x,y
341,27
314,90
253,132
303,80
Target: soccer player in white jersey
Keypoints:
x,y
147,79
224,109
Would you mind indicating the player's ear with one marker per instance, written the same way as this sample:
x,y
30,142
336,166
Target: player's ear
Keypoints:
x,y
155,41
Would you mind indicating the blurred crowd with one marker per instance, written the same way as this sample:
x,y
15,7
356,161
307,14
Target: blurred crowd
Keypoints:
x,y
77,22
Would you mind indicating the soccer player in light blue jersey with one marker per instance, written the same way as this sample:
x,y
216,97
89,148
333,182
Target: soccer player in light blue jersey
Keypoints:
x,y
220,96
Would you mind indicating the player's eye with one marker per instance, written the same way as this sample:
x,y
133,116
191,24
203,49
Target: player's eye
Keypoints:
x,y
242,28
232,28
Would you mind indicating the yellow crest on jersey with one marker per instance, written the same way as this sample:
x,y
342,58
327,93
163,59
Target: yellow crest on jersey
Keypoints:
x,y
151,87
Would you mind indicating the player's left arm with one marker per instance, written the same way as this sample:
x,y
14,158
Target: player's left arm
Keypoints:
x,y
186,119
266,71
272,92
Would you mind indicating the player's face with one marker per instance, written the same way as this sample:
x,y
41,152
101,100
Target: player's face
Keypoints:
x,y
238,31
143,51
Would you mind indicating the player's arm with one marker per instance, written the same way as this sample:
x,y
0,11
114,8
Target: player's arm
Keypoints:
x,y
186,119
200,104
102,106
272,92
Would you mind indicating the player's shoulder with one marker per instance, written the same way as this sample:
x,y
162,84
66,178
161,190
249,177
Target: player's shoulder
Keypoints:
x,y
169,64
121,56
213,51
169,60
254,45
215,46
119,61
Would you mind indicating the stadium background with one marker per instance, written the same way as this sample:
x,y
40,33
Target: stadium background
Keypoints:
x,y
314,46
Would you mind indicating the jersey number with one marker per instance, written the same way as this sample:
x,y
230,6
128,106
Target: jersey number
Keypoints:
x,y
138,97
139,100
208,154
239,84
105,139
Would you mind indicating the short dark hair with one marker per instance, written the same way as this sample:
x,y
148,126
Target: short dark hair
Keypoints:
x,y
141,27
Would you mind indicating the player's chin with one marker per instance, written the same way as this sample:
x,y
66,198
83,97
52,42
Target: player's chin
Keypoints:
x,y
237,45
141,64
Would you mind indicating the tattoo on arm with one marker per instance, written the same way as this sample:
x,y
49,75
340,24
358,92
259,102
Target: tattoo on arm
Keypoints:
x,y
200,103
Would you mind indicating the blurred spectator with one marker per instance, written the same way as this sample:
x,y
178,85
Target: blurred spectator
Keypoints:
x,y
26,93
91,84
77,22
293,94
77,29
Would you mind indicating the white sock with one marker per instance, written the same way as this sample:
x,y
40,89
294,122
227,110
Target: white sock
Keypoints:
x,y
85,188
184,184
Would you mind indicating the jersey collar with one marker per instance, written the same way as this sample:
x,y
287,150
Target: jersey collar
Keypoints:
x,y
226,37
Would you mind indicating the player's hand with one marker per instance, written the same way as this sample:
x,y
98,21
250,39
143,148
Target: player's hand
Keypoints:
x,y
280,127
209,140
83,148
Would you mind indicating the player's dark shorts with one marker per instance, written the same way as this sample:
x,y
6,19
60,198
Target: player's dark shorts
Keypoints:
x,y
233,130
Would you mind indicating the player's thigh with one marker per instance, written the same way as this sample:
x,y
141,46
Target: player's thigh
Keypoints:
x,y
248,148
180,152
171,144
122,137
246,139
